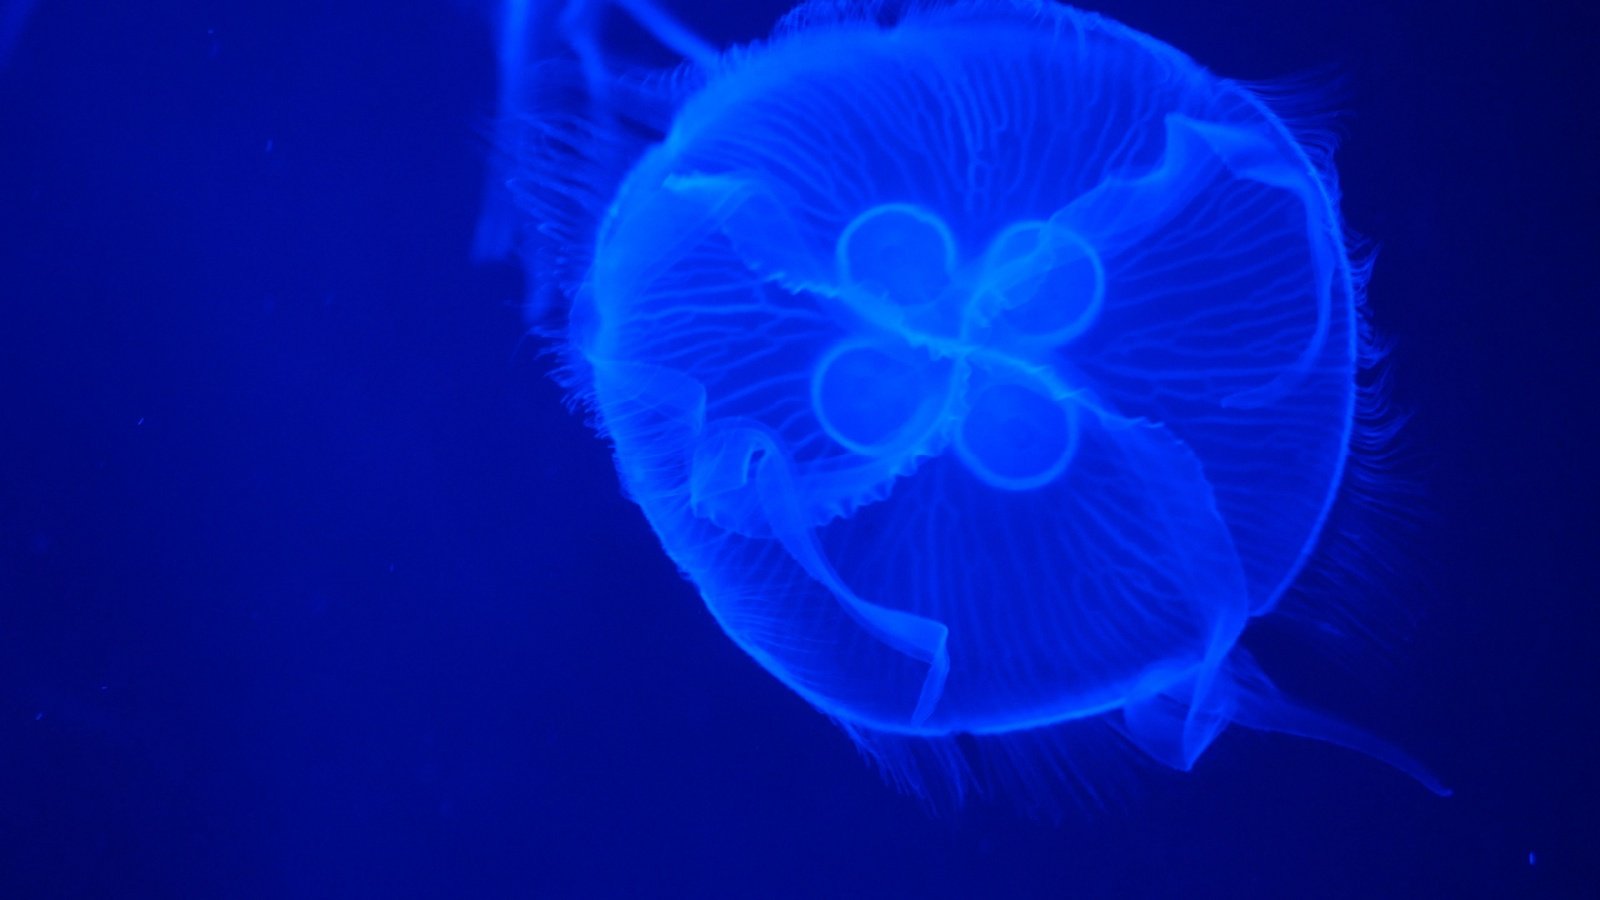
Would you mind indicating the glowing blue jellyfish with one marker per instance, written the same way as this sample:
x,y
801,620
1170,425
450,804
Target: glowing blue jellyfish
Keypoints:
x,y
986,365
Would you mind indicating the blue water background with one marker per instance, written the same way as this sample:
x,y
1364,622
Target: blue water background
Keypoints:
x,y
311,587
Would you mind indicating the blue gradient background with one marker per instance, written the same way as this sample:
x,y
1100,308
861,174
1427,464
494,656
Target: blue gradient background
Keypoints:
x,y
310,587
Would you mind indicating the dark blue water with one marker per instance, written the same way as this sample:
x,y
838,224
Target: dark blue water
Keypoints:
x,y
311,587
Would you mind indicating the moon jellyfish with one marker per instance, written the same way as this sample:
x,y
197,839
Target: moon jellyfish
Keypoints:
x,y
987,366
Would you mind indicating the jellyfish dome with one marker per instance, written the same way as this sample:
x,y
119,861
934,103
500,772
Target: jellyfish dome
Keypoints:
x,y
987,365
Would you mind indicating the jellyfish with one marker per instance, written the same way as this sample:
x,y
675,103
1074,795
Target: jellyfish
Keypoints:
x,y
987,365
